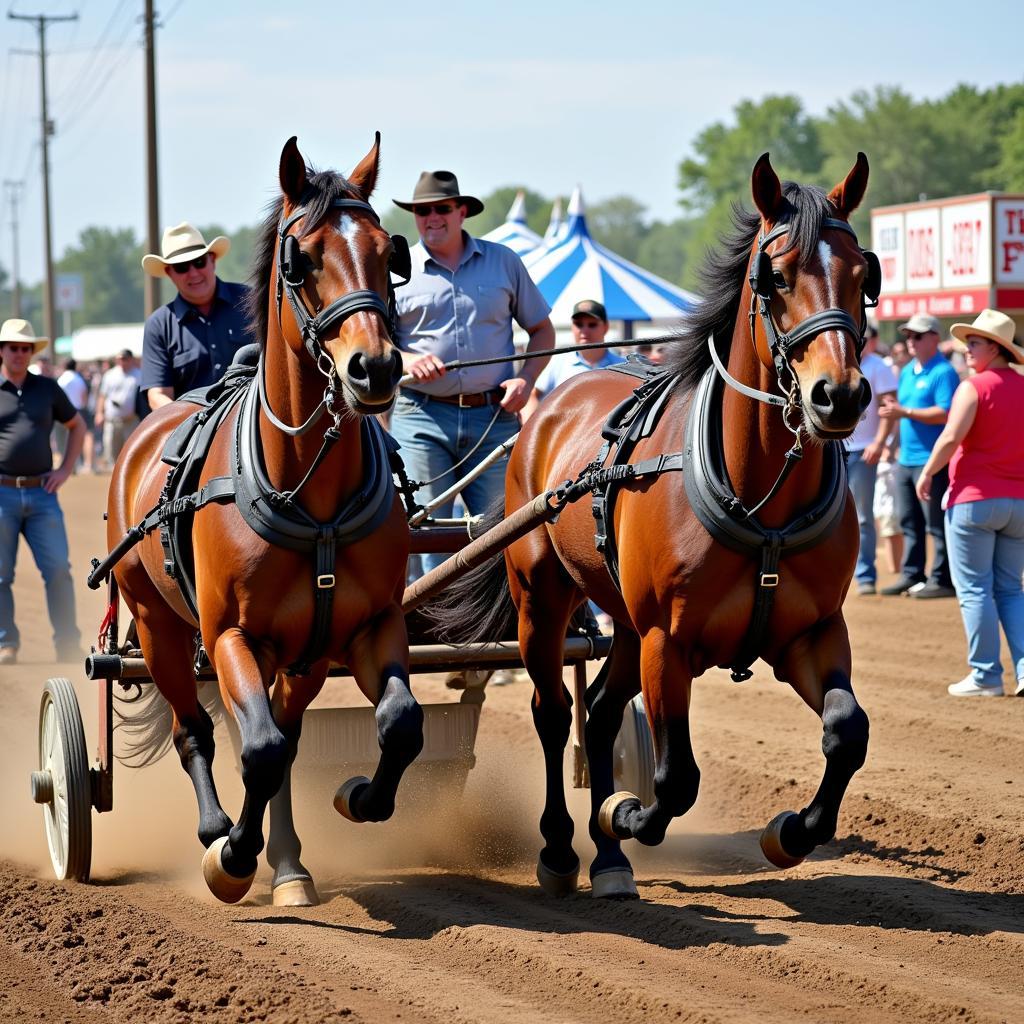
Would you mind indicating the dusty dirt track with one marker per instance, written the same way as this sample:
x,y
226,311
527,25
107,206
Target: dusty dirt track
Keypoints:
x,y
914,913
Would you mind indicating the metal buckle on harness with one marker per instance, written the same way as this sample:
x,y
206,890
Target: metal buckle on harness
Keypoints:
x,y
769,579
325,581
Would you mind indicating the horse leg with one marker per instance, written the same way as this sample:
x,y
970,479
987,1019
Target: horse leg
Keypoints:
x,y
611,874
379,660
542,628
666,679
292,884
818,667
230,863
171,666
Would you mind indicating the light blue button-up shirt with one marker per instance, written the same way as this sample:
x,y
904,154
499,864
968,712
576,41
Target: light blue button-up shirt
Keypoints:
x,y
561,368
467,313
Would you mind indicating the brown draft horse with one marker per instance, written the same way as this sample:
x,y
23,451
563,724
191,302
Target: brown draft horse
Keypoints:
x,y
686,599
255,599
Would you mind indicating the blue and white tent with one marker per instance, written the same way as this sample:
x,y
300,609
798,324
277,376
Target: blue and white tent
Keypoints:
x,y
514,232
576,267
556,226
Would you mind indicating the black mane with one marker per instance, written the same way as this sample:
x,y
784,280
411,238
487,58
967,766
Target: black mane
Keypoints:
x,y
322,188
725,271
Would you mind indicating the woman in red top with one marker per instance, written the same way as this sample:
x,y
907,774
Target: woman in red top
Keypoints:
x,y
984,446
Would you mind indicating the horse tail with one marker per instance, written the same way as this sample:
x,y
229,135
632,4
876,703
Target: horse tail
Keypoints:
x,y
478,606
146,721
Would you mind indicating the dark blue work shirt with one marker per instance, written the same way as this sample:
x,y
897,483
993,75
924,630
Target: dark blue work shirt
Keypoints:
x,y
182,349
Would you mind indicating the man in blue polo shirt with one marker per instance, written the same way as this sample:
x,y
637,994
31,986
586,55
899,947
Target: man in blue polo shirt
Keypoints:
x,y
459,304
589,327
191,341
923,399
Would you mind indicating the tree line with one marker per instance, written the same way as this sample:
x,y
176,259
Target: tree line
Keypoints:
x,y
970,140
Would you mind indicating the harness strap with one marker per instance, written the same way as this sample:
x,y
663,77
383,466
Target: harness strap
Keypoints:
x,y
324,555
764,600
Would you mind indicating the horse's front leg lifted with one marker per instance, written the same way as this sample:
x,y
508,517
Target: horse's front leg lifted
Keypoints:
x,y
818,668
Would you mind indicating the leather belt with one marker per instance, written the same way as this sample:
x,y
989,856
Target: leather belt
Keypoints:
x,y
21,481
474,401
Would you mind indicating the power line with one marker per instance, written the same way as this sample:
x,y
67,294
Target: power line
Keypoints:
x,y
170,14
86,71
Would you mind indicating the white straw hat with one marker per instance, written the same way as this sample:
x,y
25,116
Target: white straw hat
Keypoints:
x,y
19,332
994,326
181,244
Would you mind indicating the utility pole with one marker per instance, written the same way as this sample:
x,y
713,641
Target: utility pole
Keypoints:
x,y
152,179
13,188
41,21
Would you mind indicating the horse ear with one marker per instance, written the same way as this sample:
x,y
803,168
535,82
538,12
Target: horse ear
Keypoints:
x,y
766,188
364,177
846,197
292,171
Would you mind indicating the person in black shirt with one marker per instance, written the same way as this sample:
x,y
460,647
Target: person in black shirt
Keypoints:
x,y
191,341
29,405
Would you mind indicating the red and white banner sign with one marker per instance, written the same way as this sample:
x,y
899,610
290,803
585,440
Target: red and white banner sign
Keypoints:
x,y
1009,247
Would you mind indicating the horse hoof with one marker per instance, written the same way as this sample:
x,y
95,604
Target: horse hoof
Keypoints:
x,y
614,885
225,887
345,796
771,842
299,892
606,815
556,883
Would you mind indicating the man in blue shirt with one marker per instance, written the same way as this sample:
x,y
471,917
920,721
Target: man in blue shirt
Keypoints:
x,y
460,302
589,327
191,341
923,399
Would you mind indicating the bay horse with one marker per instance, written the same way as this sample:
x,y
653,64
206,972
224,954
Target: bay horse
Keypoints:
x,y
784,308
327,364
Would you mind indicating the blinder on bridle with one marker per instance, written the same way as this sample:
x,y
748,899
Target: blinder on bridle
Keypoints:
x,y
293,266
763,287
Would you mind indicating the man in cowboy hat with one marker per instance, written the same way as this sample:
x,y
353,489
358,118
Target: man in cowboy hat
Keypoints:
x,y
29,405
190,342
923,399
459,304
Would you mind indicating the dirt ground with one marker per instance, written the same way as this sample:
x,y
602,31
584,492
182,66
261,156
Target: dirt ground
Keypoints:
x,y
914,913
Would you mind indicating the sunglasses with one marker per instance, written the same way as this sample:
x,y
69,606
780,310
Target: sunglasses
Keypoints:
x,y
182,268
424,210
18,348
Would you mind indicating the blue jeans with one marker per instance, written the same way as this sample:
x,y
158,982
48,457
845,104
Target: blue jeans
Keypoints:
x,y
37,515
918,519
986,556
862,486
435,436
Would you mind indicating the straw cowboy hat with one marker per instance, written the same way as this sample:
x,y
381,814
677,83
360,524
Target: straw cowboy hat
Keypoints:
x,y
179,245
437,186
19,332
994,326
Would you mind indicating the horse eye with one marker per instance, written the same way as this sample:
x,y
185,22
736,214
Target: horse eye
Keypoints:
x,y
779,279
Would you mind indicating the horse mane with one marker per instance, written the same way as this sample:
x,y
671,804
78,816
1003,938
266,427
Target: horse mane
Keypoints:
x,y
724,273
322,188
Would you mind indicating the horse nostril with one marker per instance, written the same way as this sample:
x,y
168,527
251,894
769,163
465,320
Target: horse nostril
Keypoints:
x,y
864,399
358,372
821,394
396,367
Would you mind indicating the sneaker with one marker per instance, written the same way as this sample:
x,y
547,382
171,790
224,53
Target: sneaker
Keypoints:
x,y
895,589
968,687
867,588
930,590
1019,692
8,655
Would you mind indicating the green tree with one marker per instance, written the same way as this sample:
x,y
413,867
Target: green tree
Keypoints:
x,y
108,260
1010,169
618,223
663,249
236,265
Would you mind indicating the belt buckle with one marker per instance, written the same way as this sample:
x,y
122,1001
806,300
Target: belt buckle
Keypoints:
x,y
20,482
462,403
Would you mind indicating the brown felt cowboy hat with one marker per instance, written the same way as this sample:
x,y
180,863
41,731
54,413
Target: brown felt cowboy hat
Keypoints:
x,y
994,326
20,332
437,186
181,244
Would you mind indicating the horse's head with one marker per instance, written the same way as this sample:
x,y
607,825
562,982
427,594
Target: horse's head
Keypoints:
x,y
333,262
810,281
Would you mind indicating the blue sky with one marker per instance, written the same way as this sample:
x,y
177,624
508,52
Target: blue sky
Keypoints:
x,y
607,95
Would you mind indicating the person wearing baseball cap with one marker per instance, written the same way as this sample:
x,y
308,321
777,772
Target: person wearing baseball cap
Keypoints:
x,y
589,327
191,341
923,399
30,404
983,445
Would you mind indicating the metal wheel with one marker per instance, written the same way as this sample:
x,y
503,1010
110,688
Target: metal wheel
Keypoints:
x,y
633,753
62,784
